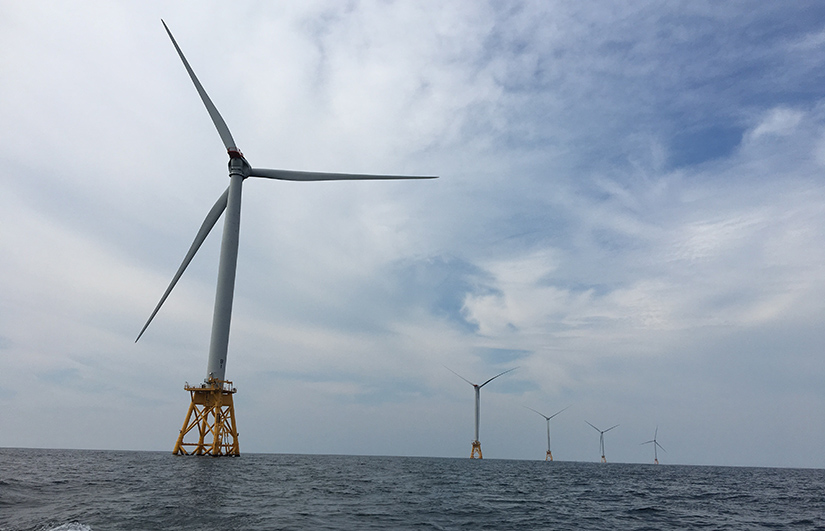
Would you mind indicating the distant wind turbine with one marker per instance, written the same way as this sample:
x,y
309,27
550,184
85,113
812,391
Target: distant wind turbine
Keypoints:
x,y
655,444
211,410
476,444
549,455
601,438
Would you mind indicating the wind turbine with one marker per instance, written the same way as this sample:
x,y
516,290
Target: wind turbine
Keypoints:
x,y
212,405
601,438
549,456
476,444
655,444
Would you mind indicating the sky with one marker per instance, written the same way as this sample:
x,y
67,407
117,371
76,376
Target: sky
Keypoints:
x,y
630,209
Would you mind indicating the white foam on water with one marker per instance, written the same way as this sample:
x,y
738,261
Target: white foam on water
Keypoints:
x,y
72,526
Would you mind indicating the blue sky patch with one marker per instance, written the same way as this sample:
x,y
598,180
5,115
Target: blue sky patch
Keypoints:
x,y
689,148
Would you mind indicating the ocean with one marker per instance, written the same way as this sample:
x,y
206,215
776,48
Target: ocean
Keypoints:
x,y
81,490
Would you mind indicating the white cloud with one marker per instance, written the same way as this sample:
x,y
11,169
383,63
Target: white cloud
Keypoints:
x,y
779,121
557,228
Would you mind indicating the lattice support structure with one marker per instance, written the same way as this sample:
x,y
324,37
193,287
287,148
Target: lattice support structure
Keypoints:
x,y
211,418
475,453
549,456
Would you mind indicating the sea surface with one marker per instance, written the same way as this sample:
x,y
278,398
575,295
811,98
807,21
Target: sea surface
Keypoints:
x,y
81,490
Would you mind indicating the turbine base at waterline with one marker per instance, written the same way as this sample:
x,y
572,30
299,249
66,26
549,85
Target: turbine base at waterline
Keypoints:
x,y
475,453
211,418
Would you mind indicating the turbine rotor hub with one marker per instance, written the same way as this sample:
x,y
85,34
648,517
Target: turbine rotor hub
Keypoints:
x,y
239,165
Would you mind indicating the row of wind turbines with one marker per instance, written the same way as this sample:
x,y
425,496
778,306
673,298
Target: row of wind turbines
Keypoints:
x,y
475,452
211,414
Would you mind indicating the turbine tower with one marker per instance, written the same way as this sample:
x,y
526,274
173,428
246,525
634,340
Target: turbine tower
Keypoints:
x,y
655,444
601,438
549,455
212,410
476,444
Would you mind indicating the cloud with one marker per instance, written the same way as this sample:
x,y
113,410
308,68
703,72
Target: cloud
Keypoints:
x,y
629,208
779,122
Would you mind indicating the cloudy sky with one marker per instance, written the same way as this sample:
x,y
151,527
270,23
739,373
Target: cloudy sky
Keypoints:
x,y
630,209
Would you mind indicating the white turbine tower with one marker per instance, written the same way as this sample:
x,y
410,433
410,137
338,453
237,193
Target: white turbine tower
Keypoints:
x,y
601,438
549,455
655,444
476,444
211,409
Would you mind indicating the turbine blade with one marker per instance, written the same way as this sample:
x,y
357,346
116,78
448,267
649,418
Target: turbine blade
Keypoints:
x,y
496,376
539,412
556,413
660,446
610,428
463,378
294,175
594,427
220,125
208,223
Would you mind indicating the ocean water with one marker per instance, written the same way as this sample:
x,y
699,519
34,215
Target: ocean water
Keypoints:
x,y
81,490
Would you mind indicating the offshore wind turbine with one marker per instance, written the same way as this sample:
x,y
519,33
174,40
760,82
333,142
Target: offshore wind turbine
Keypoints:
x,y
549,455
477,388
601,438
212,410
655,444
